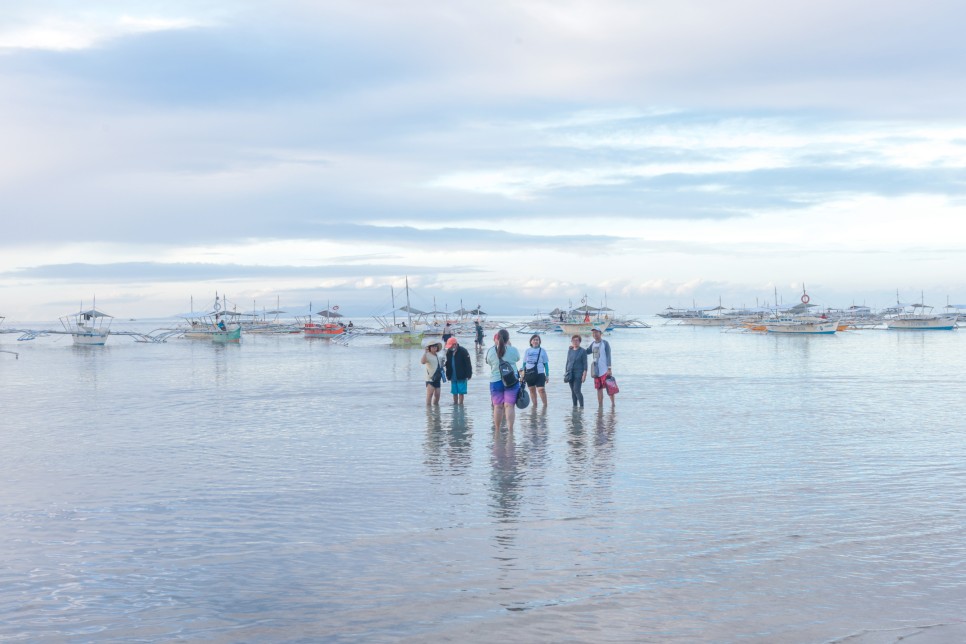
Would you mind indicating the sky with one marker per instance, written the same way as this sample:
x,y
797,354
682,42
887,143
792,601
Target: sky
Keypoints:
x,y
514,155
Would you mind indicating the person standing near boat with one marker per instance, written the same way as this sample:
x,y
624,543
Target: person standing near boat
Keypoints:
x,y
459,369
447,332
435,369
503,396
479,335
575,373
600,366
536,370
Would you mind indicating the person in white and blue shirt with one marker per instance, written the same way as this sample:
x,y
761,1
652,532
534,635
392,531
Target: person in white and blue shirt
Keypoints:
x,y
536,370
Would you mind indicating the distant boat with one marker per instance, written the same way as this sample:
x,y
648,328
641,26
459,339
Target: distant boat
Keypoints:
x,y
575,328
89,328
227,335
211,325
801,324
400,334
918,317
327,329
708,316
797,319
324,330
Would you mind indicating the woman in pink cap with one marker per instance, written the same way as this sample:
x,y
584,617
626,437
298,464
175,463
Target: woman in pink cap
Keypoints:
x,y
459,369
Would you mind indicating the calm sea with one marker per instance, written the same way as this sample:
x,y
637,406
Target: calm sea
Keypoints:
x,y
747,488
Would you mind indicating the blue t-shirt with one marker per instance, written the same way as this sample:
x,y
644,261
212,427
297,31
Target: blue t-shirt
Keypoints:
x,y
537,356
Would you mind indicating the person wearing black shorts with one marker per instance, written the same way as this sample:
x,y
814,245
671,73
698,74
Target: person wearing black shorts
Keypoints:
x,y
536,369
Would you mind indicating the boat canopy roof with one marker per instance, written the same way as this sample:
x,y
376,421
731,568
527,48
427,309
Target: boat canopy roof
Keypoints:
x,y
93,313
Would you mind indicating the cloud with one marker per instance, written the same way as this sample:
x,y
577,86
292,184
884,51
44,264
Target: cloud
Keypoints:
x,y
418,133
191,272
76,28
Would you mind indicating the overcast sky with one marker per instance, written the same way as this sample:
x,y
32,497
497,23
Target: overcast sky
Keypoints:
x,y
517,155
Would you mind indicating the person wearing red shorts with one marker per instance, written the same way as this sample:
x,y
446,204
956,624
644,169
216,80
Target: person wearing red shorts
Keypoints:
x,y
600,365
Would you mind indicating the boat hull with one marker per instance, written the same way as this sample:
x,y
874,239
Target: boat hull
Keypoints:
x,y
812,328
313,330
709,321
406,339
91,339
576,329
921,324
224,337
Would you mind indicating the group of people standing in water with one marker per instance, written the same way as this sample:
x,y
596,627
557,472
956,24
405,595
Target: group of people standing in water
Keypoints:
x,y
454,365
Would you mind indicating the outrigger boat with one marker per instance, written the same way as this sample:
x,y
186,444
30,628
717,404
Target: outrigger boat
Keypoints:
x,y
327,329
17,355
797,320
226,335
918,317
401,334
88,328
211,325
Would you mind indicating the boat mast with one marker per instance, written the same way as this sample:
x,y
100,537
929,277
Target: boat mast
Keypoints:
x,y
392,295
409,314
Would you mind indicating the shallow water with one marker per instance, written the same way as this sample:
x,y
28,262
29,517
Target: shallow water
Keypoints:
x,y
745,488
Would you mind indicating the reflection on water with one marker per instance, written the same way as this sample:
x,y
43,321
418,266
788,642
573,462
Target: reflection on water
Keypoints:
x,y
449,441
506,478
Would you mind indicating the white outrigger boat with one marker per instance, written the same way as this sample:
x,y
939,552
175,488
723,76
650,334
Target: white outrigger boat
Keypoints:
x,y
801,324
917,317
717,316
401,334
796,320
88,328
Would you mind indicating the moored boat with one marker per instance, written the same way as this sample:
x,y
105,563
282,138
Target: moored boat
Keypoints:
x,y
232,335
88,328
803,324
918,317
797,320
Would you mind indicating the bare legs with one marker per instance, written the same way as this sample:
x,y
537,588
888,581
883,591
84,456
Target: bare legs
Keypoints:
x,y
432,395
506,410
600,397
542,392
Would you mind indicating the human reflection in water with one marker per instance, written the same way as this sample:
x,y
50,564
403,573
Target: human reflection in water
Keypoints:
x,y
506,480
536,438
435,441
480,367
459,441
448,445
605,426
577,457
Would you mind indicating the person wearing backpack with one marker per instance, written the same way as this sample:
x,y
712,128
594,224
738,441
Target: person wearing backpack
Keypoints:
x,y
504,379
536,372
